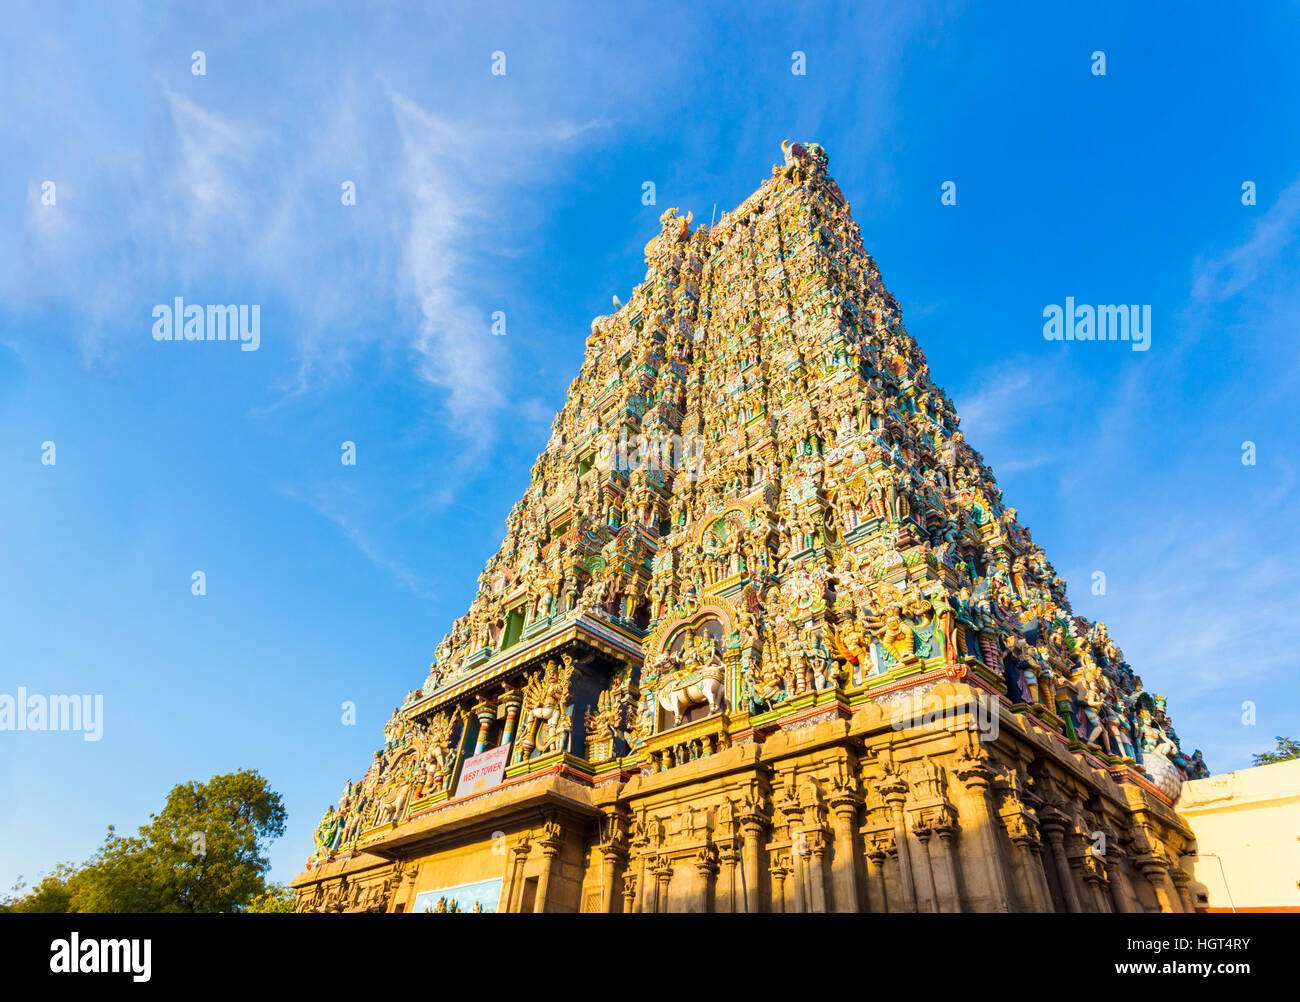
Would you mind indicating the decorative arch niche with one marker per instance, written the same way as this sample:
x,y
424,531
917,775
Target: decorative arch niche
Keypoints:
x,y
707,625
717,608
734,513
716,620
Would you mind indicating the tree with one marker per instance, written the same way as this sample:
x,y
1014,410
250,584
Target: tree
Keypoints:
x,y
1286,750
276,898
116,879
52,895
205,851
209,843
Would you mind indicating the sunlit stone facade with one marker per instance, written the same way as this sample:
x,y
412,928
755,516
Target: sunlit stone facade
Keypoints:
x,y
764,636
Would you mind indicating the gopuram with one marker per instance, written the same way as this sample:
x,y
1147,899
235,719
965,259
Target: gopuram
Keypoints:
x,y
763,636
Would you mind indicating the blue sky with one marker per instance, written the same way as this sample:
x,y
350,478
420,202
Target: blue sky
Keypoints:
x,y
522,193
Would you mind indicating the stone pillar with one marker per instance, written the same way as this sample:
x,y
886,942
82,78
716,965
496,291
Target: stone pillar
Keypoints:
x,y
613,855
1175,901
1101,887
1039,867
877,900
1027,852
977,776
844,868
729,857
1078,867
612,860
1029,862
1181,881
779,874
927,899
1154,869
640,846
663,873
514,888
1097,875
796,890
753,828
816,841
950,896
895,797
648,901
706,862
1123,897
1088,868
550,846
798,863
1053,825
894,884
629,892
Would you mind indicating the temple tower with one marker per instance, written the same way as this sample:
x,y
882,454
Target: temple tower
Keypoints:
x,y
763,635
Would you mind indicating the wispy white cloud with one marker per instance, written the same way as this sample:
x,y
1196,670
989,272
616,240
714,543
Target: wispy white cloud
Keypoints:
x,y
211,180
452,181
1218,278
1203,602
249,200
453,344
1006,396
329,505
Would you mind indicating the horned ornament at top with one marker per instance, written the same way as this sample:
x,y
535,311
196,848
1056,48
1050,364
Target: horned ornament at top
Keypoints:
x,y
811,155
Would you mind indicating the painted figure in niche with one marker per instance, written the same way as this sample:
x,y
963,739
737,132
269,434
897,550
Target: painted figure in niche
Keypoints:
x,y
1019,664
852,644
945,619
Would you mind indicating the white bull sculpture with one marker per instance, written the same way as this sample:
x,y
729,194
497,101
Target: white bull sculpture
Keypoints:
x,y
700,679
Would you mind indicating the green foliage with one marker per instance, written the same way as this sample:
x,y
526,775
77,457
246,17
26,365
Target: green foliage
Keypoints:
x,y
53,895
1286,750
276,898
117,878
205,851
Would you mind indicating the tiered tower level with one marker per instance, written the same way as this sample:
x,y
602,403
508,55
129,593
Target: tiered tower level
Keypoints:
x,y
763,635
